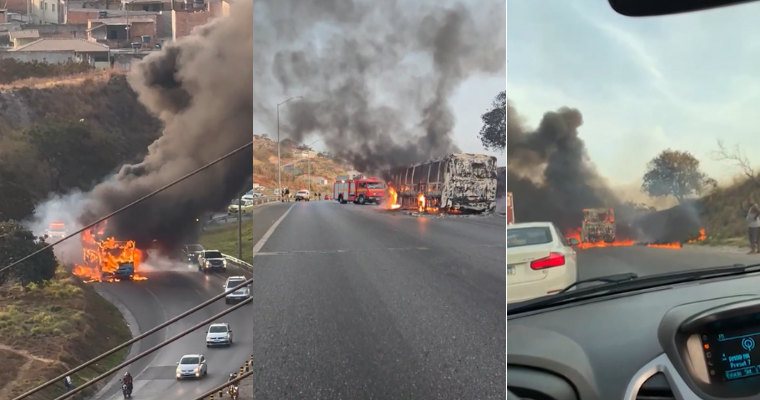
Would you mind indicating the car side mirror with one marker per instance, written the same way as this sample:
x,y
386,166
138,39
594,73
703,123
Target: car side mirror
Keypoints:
x,y
573,241
177,363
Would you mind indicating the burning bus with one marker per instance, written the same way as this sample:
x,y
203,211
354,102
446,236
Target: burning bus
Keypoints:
x,y
454,183
108,259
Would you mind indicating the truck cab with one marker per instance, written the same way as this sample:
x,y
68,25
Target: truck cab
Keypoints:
x,y
598,225
56,230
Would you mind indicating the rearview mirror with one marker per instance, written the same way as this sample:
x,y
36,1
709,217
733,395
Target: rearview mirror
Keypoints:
x,y
573,242
649,8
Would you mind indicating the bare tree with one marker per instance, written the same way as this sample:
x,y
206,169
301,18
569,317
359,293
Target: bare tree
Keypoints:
x,y
737,158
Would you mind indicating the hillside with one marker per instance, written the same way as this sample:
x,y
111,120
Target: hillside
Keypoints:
x,y
62,133
295,165
47,330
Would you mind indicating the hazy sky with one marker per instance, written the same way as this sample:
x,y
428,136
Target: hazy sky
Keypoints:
x,y
642,84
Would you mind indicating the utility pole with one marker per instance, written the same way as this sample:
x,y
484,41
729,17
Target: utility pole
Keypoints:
x,y
279,180
308,161
240,227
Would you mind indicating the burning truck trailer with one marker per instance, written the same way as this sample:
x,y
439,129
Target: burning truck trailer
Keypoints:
x,y
107,259
455,183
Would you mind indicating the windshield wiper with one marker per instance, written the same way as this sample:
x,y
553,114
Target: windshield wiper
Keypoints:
x,y
619,284
604,279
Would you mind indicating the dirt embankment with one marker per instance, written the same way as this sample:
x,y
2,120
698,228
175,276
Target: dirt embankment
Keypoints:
x,y
47,330
57,134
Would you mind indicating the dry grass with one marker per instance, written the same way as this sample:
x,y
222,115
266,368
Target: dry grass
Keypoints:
x,y
48,329
97,76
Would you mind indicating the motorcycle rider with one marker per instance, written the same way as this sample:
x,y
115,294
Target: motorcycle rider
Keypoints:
x,y
127,380
233,386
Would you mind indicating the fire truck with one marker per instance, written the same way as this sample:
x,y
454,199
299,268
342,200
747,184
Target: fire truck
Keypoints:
x,y
359,191
510,209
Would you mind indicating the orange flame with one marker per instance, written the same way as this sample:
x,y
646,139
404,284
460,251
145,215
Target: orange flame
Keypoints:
x,y
103,256
700,238
576,234
421,203
393,197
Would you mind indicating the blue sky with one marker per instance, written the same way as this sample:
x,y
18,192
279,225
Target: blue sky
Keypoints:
x,y
642,84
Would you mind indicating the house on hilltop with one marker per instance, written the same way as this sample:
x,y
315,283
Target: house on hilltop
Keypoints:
x,y
23,37
58,50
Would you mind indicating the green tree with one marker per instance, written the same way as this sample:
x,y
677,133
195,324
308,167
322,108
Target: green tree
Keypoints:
x,y
75,156
493,134
17,242
675,173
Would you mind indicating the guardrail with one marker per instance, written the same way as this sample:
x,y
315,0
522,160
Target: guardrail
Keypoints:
x,y
240,263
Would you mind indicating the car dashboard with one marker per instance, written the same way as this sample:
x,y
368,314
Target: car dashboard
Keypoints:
x,y
688,341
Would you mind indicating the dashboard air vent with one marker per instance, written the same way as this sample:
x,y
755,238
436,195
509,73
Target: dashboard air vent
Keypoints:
x,y
655,388
534,384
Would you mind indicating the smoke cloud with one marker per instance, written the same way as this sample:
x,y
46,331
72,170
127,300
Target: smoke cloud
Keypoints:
x,y
549,170
376,80
376,77
553,179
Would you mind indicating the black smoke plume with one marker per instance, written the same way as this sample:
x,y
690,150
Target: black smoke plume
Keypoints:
x,y
552,179
549,171
376,84
200,86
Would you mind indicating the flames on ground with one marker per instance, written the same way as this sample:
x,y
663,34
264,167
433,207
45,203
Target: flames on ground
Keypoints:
x,y
576,234
103,255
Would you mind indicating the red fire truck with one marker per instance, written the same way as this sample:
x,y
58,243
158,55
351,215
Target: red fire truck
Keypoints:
x,y
359,191
510,209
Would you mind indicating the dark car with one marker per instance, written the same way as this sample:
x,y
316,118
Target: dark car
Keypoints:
x,y
191,252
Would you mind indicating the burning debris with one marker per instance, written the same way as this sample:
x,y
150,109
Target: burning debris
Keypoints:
x,y
457,183
552,179
106,259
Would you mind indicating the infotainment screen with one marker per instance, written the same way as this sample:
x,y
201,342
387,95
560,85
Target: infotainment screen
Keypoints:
x,y
732,354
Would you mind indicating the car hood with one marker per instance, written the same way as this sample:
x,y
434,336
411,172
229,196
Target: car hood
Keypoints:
x,y
188,367
216,335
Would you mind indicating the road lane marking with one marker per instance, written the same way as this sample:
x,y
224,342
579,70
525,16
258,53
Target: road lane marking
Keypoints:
x,y
286,253
269,233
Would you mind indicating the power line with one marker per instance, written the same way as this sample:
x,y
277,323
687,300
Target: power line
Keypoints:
x,y
239,149
225,385
152,349
133,340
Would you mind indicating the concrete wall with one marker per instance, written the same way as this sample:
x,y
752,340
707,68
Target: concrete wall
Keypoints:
x,y
51,57
61,31
18,6
184,22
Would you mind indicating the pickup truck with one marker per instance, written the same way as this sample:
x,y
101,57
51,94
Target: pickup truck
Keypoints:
x,y
210,260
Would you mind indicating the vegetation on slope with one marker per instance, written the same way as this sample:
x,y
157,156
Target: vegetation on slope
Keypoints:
x,y
49,328
65,135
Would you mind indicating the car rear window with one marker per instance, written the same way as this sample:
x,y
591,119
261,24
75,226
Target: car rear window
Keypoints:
x,y
517,237
234,283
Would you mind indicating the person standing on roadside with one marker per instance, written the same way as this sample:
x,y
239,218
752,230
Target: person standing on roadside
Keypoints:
x,y
753,224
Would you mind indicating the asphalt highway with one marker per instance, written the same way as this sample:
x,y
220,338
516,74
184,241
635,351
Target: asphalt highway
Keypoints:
x,y
642,260
170,290
349,302
352,302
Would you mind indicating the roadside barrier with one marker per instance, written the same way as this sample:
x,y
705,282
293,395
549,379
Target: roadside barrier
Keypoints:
x,y
219,392
238,262
225,219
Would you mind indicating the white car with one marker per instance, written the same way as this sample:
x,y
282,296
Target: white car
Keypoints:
x,y
540,261
192,366
238,295
219,334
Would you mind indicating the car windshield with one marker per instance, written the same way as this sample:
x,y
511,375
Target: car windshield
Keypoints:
x,y
218,329
189,361
375,185
517,237
213,254
630,140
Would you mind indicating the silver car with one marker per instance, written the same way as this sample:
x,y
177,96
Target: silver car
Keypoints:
x,y
238,295
192,366
219,334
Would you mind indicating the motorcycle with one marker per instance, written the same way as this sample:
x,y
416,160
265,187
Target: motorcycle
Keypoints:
x,y
126,390
233,391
